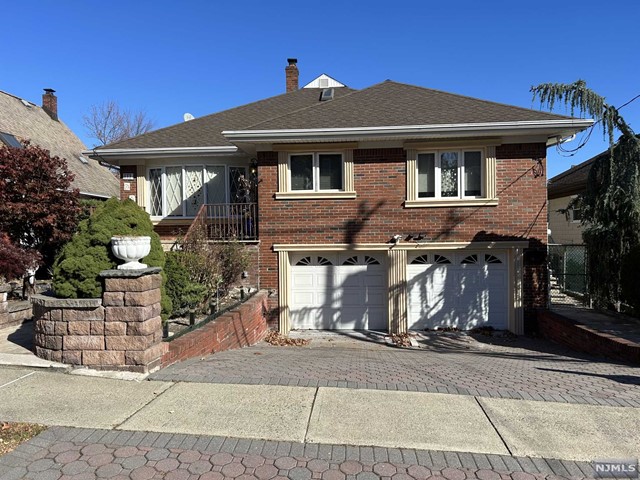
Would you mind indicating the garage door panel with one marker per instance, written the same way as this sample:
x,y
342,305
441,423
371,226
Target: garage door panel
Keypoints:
x,y
461,295
303,298
351,296
377,278
313,318
377,297
351,279
303,279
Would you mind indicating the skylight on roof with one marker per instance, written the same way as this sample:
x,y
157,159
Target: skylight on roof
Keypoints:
x,y
83,159
327,94
9,140
26,103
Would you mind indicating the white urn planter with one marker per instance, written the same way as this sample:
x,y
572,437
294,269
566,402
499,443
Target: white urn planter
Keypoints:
x,y
131,250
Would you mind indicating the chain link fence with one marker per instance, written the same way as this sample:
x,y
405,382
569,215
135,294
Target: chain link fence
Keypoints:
x,y
568,275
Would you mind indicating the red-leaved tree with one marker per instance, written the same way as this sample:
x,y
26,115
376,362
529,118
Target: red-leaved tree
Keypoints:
x,y
14,260
38,208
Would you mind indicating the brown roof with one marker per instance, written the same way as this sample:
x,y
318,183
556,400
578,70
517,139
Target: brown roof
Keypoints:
x,y
27,121
393,104
205,131
572,181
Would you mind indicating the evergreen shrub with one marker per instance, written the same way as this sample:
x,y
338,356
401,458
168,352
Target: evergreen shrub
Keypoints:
x,y
76,268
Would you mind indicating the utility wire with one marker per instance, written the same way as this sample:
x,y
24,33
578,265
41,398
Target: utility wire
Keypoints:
x,y
570,152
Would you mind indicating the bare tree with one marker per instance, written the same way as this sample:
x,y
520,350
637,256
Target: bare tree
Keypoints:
x,y
109,123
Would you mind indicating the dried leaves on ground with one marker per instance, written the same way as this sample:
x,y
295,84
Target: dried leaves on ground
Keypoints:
x,y
13,434
401,340
279,340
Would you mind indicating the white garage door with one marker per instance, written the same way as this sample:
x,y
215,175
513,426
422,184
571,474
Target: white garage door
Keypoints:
x,y
338,292
462,290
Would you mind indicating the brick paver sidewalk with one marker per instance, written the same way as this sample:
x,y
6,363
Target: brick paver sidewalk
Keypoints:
x,y
62,453
517,368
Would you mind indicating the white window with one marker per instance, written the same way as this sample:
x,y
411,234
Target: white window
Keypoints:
x,y
316,172
180,190
450,174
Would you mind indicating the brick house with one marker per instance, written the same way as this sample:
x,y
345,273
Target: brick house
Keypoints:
x,y
394,207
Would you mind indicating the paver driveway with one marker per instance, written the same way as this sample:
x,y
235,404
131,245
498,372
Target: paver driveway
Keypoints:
x,y
519,368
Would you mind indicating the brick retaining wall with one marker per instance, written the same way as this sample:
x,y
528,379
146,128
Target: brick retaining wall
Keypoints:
x,y
12,314
572,334
243,326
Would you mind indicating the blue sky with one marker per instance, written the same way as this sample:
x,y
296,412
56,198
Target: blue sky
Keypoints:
x,y
172,57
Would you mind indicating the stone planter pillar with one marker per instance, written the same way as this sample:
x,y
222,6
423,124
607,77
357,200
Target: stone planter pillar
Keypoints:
x,y
133,326
120,331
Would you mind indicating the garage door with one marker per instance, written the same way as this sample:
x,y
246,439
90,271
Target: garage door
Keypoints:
x,y
462,290
338,292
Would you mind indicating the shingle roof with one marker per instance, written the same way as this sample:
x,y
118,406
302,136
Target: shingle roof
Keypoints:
x,y
572,181
31,122
205,131
394,104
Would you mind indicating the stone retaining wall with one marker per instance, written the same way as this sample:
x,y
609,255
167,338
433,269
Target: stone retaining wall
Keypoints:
x,y
13,313
120,331
243,326
572,334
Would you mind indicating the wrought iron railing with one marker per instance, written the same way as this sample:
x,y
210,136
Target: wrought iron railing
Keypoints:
x,y
226,221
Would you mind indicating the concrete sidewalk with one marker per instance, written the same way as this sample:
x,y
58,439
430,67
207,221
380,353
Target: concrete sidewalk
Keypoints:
x,y
392,419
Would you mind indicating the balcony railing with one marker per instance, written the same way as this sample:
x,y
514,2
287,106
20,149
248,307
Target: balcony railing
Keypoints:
x,y
225,221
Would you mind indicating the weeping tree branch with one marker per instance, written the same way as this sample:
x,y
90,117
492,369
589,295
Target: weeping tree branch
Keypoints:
x,y
611,203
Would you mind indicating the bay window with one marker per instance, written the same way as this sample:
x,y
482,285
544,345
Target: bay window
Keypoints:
x,y
180,190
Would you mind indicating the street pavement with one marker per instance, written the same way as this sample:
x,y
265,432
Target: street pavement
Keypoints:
x,y
248,428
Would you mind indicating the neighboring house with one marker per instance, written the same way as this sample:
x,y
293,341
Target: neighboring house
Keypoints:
x,y
394,207
565,227
23,120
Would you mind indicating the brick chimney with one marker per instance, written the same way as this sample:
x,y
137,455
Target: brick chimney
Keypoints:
x,y
50,103
291,72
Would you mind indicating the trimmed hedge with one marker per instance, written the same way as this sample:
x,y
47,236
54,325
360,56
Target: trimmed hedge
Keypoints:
x,y
76,268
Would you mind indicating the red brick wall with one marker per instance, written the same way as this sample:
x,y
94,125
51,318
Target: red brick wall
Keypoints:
x,y
378,212
565,331
133,185
237,328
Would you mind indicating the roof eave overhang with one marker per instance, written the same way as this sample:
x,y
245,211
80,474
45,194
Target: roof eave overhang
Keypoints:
x,y
96,195
553,129
560,191
114,155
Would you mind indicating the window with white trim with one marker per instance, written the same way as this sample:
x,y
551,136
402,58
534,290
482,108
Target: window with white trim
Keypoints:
x,y
316,172
180,190
450,174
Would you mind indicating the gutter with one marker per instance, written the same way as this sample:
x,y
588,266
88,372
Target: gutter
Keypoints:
x,y
112,152
409,130
98,195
